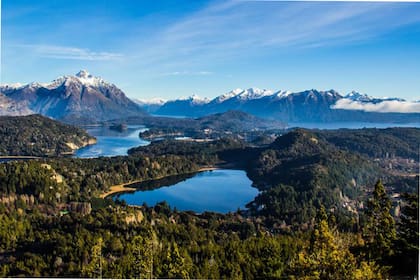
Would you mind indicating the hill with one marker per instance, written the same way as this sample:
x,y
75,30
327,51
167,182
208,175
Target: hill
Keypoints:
x,y
35,135
300,171
211,126
376,143
234,121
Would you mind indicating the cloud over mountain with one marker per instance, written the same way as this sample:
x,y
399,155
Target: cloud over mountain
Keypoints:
x,y
387,106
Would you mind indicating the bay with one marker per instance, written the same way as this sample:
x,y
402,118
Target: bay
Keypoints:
x,y
111,142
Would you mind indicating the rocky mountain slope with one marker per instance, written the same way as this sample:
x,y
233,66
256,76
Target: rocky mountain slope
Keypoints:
x,y
306,106
9,107
78,98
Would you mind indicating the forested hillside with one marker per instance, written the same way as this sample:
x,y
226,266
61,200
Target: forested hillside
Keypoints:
x,y
299,172
377,143
322,213
36,135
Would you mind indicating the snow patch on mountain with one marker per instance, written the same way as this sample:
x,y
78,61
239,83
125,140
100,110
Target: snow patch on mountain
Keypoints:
x,y
83,77
152,101
254,93
282,94
356,96
11,86
196,100
228,95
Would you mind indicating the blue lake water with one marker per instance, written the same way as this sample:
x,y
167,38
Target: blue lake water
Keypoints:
x,y
111,142
220,191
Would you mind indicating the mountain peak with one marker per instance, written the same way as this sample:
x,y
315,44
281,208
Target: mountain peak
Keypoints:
x,y
357,96
87,79
83,74
254,93
195,99
76,97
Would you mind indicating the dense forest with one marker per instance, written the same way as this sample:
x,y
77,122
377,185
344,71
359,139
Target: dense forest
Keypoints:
x,y
326,210
36,135
377,143
118,241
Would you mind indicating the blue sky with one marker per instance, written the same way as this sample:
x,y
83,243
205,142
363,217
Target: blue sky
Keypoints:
x,y
177,48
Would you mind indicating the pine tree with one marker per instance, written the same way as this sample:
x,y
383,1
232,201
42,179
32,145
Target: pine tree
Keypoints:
x,y
379,231
142,253
94,268
329,257
175,264
407,244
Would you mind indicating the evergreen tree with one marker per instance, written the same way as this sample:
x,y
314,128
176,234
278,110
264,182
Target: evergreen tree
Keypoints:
x,y
94,268
328,257
379,231
175,265
407,244
142,257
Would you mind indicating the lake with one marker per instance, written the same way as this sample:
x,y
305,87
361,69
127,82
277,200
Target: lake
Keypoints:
x,y
111,142
115,143
222,191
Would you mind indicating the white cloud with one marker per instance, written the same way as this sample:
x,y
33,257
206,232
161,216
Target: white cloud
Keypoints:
x,y
227,30
391,106
72,53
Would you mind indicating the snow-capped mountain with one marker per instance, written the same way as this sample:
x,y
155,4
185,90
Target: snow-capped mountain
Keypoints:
x,y
74,98
243,94
150,105
356,96
85,97
264,103
355,101
153,101
195,99
306,106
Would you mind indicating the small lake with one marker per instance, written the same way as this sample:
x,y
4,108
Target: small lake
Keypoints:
x,y
111,142
222,191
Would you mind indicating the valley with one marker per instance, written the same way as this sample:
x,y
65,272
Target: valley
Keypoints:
x,y
292,172
211,193
209,139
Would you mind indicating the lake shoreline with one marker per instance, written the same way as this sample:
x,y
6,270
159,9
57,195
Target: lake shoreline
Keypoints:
x,y
122,188
219,191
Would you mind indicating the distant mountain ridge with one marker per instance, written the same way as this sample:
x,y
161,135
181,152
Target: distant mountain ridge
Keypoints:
x,y
306,106
82,97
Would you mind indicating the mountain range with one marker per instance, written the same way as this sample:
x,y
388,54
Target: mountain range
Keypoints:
x,y
79,98
306,106
84,98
